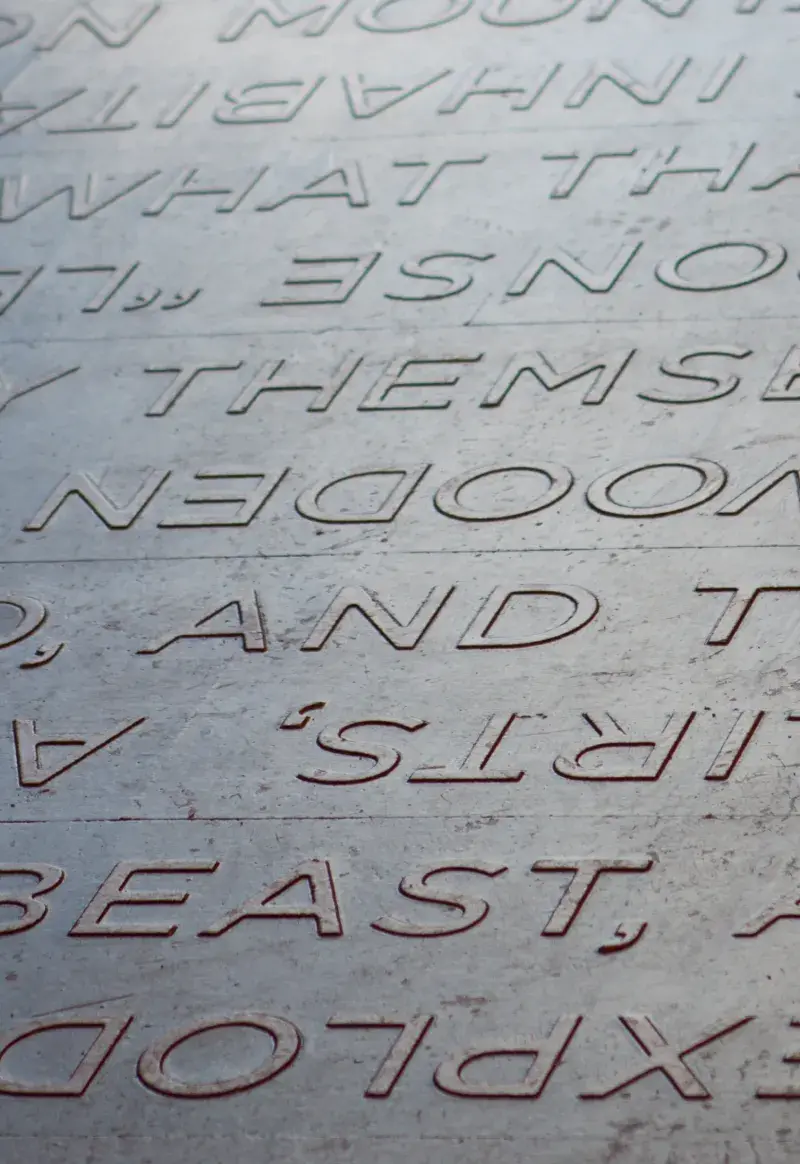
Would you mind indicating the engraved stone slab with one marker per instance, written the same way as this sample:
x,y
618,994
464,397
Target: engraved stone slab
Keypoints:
x,y
399,584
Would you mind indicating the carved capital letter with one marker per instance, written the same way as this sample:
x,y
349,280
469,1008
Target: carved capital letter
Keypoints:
x,y
110,1031
286,1042
546,1054
250,627
584,608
